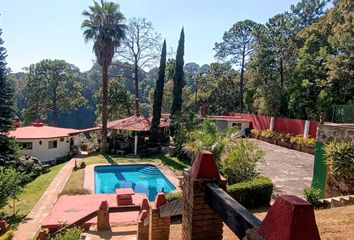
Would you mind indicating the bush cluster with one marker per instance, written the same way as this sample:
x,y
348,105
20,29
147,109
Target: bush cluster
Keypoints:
x,y
340,159
253,193
173,196
285,137
312,195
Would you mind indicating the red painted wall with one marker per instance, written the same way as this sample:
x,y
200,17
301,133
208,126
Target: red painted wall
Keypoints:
x,y
287,125
292,126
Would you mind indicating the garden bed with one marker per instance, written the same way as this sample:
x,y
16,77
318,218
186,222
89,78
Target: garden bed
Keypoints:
x,y
285,140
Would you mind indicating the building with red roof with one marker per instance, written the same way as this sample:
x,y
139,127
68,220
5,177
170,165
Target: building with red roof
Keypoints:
x,y
45,142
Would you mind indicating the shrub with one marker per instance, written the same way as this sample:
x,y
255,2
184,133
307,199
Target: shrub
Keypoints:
x,y
253,193
306,142
70,234
312,195
8,235
76,191
256,132
240,160
340,159
268,133
173,196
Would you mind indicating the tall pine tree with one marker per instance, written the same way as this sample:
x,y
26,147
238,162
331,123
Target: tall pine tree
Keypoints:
x,y
158,96
7,145
178,81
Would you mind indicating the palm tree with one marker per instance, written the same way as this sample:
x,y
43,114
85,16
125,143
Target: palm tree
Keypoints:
x,y
104,26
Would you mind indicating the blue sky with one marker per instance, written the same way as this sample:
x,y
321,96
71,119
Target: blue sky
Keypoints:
x,y
50,29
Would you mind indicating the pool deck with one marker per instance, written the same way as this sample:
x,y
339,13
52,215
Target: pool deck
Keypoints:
x,y
89,179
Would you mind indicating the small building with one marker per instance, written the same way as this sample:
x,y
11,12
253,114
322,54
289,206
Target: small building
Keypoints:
x,y
223,122
46,143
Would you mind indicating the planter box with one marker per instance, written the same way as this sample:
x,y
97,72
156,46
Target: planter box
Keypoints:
x,y
268,140
284,144
296,146
307,150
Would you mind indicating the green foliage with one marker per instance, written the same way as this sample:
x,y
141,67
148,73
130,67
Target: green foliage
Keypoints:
x,y
340,159
173,196
312,195
7,146
252,193
158,96
209,137
306,142
119,100
10,184
7,236
239,162
70,234
51,88
178,80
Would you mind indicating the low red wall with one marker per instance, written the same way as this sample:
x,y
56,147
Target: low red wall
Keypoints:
x,y
286,125
292,126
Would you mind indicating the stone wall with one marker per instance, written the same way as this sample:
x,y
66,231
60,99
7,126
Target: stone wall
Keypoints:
x,y
330,132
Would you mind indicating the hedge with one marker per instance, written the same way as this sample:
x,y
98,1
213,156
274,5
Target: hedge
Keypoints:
x,y
253,193
173,196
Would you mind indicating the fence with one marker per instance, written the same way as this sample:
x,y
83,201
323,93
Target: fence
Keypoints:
x,y
287,125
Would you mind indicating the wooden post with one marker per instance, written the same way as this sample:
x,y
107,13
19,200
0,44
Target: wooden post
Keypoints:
x,y
198,220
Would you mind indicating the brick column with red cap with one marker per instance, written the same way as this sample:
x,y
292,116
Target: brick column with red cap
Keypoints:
x,y
103,217
143,226
159,226
198,220
290,218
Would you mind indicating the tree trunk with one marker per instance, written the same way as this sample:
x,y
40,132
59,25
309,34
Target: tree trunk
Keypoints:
x,y
104,108
136,80
241,80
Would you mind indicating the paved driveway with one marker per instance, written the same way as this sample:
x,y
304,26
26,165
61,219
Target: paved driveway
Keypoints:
x,y
289,170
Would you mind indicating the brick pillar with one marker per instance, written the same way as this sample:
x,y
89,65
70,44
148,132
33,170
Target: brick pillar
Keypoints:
x,y
198,220
290,218
143,226
159,227
103,217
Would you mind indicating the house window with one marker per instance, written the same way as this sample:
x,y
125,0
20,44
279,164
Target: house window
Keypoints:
x,y
52,144
61,139
26,145
236,125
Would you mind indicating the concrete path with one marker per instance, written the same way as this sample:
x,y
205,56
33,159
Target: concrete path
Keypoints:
x,y
31,224
289,170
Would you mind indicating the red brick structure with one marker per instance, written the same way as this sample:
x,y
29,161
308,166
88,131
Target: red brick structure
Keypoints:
x,y
103,217
198,220
159,226
290,218
143,226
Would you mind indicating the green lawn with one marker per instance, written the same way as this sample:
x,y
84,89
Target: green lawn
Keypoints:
x,y
76,180
30,195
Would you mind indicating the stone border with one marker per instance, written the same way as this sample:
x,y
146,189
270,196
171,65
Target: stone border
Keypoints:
x,y
89,178
337,201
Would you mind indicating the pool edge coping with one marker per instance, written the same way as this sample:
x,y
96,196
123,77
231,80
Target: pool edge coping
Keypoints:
x,y
89,177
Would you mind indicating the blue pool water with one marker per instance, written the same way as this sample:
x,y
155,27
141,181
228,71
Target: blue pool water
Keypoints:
x,y
143,178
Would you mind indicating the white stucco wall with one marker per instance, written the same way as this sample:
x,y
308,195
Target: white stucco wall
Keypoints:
x,y
222,124
43,153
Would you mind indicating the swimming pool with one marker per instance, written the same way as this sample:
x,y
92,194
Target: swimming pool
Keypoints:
x,y
143,178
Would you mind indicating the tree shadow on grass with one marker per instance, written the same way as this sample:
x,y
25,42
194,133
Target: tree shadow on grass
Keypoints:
x,y
109,159
15,220
174,163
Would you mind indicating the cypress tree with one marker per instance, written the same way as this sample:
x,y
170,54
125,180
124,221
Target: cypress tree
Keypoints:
x,y
178,81
7,145
158,96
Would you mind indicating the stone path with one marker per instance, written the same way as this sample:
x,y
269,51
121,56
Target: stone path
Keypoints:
x,y
289,170
31,224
